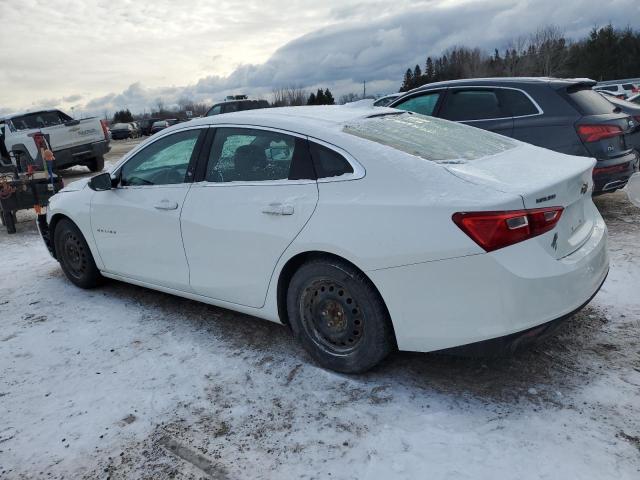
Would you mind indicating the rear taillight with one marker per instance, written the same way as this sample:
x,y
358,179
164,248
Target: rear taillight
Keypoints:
x,y
494,230
623,167
105,129
593,133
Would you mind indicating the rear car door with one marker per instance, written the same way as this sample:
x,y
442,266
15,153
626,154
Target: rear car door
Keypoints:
x,y
136,225
481,107
256,193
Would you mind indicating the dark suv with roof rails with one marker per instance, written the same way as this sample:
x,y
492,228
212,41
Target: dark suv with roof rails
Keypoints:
x,y
564,115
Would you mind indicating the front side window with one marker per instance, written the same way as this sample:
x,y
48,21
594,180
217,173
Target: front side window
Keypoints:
x,y
422,104
464,105
216,110
164,162
250,155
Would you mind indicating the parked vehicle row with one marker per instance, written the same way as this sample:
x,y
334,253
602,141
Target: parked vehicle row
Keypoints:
x,y
622,89
564,115
363,230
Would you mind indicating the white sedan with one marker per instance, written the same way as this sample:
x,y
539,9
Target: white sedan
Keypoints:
x,y
364,230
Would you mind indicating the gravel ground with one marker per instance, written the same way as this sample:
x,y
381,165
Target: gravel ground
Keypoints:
x,y
123,382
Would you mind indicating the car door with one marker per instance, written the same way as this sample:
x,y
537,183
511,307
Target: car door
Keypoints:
x,y
479,107
136,225
257,192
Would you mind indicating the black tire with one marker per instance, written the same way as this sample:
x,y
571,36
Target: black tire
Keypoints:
x,y
97,164
9,221
339,316
75,256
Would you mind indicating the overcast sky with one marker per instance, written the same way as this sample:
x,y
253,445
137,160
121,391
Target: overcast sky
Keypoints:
x,y
101,55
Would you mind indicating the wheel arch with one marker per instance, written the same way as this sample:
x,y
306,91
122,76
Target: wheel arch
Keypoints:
x,y
295,262
53,223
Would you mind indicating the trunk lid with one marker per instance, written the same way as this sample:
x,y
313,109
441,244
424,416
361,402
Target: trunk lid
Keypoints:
x,y
543,179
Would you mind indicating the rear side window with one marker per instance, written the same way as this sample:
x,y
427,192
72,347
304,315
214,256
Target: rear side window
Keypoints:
x,y
588,101
516,102
480,104
429,137
608,89
422,104
627,86
252,155
39,120
327,162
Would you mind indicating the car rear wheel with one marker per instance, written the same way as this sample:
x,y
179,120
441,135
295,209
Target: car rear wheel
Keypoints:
x,y
338,316
97,164
75,256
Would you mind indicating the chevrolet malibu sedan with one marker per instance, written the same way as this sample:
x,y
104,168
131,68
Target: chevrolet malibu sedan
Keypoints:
x,y
363,230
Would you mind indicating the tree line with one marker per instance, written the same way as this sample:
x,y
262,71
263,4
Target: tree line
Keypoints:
x,y
606,53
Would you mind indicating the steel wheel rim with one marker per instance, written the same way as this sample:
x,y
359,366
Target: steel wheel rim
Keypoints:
x,y
331,316
74,255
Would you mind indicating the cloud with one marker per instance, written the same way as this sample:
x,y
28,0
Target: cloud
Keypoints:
x,y
352,42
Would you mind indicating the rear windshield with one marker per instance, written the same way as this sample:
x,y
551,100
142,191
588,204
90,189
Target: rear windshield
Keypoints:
x,y
430,138
39,120
588,101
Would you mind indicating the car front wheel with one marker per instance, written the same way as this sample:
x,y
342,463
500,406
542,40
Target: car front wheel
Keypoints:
x,y
338,316
74,255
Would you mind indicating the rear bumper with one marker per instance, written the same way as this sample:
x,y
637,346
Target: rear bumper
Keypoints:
x,y
81,154
449,303
611,175
510,344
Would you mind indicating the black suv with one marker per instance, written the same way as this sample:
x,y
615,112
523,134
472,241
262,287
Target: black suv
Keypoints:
x,y
236,106
564,115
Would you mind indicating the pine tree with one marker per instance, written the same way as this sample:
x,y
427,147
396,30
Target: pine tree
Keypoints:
x,y
407,82
320,100
417,77
328,97
428,70
312,99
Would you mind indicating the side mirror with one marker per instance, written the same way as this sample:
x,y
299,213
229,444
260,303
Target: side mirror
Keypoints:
x,y
100,182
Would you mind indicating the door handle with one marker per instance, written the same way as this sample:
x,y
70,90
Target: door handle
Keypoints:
x,y
278,209
166,205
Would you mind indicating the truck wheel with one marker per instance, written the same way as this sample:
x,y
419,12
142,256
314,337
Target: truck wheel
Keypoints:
x,y
9,221
97,164
75,256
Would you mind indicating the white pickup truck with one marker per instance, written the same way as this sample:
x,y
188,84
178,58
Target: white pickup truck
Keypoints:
x,y
74,142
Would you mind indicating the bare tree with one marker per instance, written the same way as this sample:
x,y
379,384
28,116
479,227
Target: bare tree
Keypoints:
x,y
549,45
348,98
292,95
160,105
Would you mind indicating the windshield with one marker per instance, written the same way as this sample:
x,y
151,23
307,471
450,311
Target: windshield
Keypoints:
x,y
430,138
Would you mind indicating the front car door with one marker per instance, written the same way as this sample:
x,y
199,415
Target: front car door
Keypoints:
x,y
256,194
136,225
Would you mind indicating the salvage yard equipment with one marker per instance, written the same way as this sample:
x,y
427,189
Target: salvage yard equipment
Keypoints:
x,y
23,191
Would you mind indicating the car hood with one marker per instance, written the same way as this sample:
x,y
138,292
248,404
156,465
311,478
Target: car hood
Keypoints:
x,y
75,186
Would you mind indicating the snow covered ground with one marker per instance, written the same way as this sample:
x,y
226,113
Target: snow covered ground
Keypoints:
x,y
123,382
